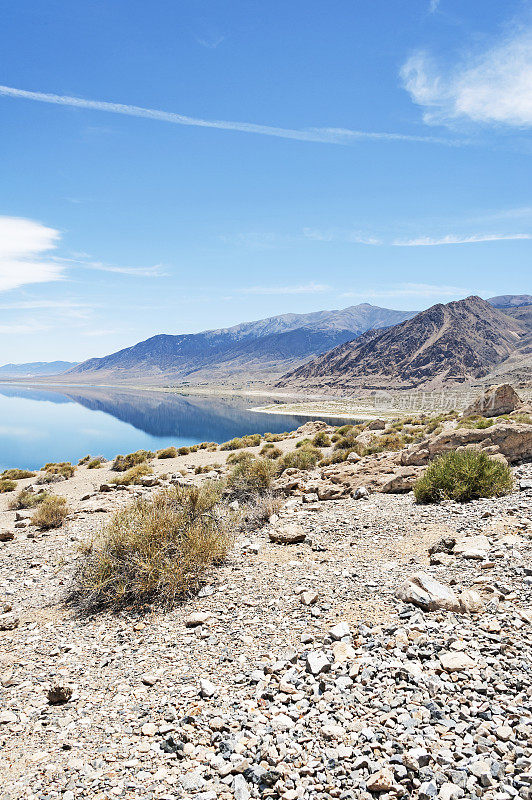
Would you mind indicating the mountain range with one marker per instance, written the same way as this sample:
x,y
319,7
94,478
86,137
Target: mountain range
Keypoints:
x,y
36,369
446,344
360,346
263,350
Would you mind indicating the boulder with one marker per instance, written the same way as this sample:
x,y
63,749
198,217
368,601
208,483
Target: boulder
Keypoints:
x,y
495,401
288,534
429,594
456,661
6,536
376,425
475,547
471,602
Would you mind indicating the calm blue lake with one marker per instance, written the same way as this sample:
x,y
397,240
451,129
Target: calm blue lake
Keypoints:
x,y
44,424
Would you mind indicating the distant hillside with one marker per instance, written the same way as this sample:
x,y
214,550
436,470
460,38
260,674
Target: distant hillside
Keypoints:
x,y
264,349
511,300
36,369
448,343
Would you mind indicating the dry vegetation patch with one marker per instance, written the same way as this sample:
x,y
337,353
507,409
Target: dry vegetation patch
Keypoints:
x,y
156,549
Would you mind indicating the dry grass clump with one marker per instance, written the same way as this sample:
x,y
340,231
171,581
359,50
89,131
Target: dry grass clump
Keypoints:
x,y
252,440
63,468
269,450
303,458
258,510
132,475
97,462
322,439
519,416
461,476
251,476
17,474
25,499
201,470
50,513
168,452
123,463
7,486
242,455
276,437
156,549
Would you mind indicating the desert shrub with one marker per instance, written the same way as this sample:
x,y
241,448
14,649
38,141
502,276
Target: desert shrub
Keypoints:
x,y
303,443
201,470
132,475
322,439
388,441
96,463
17,474
304,458
84,460
250,477
50,477
276,437
63,468
348,441
50,513
157,549
519,416
273,453
463,475
252,440
476,421
237,457
338,456
183,451
343,429
434,426
168,452
25,499
258,509
7,486
123,463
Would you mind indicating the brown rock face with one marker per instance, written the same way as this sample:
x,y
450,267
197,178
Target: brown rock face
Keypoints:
x,y
495,401
444,344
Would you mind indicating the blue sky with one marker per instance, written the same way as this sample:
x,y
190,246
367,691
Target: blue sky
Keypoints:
x,y
188,164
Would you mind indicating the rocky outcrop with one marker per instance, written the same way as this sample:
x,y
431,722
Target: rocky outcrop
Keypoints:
x,y
495,401
512,440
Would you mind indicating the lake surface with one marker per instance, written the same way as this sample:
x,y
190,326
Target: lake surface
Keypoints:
x,y
44,424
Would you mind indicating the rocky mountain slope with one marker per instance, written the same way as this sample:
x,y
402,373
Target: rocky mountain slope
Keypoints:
x,y
36,369
511,300
269,346
451,343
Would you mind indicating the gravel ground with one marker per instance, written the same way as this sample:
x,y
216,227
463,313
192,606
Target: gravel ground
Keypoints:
x,y
252,689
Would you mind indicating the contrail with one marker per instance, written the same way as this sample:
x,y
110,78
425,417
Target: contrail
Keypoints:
x,y
324,135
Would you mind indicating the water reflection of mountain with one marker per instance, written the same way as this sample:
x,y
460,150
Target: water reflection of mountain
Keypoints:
x,y
30,393
191,417
198,418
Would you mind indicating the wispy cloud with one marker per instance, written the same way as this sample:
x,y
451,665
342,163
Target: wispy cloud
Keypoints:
x,y
156,271
308,288
23,245
356,237
210,43
427,241
433,6
18,328
342,136
492,86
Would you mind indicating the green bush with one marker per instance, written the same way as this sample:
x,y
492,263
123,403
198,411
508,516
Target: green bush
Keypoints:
x,y
168,452
251,476
272,452
7,486
183,451
96,463
84,460
463,475
476,422
322,439
276,437
304,458
344,429
123,463
17,474
157,549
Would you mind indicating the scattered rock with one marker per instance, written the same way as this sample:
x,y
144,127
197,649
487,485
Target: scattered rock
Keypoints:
x,y
288,534
424,591
58,695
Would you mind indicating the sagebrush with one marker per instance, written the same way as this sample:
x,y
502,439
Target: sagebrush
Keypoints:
x,y
461,476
